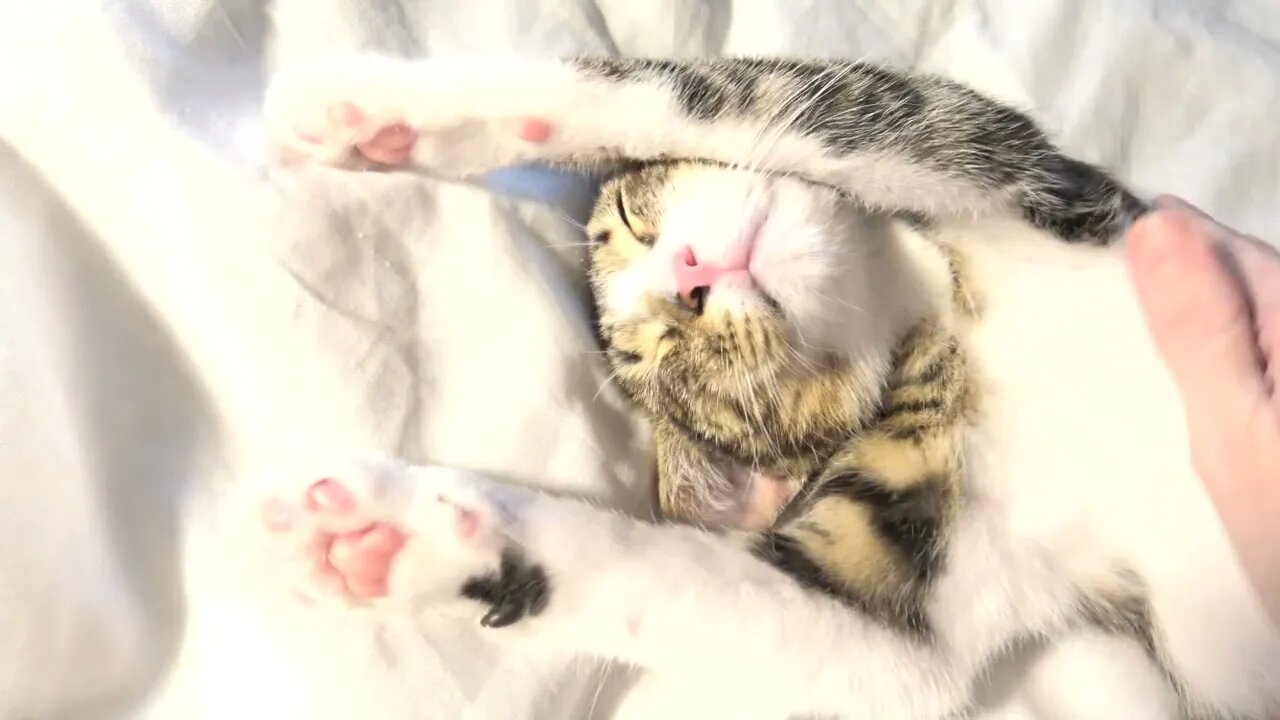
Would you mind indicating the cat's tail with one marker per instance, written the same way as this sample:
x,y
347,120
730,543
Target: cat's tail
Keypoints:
x,y
1080,202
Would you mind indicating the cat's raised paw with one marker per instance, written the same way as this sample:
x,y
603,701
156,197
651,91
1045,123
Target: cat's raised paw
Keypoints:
x,y
450,117
349,138
377,529
339,543
345,114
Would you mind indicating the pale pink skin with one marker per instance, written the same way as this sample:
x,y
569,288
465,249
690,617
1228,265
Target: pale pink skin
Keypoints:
x,y
1212,301
765,498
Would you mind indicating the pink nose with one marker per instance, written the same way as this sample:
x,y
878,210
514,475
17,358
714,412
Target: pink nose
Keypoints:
x,y
694,279
691,275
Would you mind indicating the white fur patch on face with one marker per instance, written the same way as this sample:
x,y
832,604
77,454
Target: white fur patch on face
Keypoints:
x,y
709,212
806,259
626,290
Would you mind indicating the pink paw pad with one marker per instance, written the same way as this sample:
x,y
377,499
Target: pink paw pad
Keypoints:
x,y
347,556
362,559
534,130
329,496
467,523
391,145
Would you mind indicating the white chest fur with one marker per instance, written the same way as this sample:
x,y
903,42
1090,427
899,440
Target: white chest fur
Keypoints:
x,y
1081,456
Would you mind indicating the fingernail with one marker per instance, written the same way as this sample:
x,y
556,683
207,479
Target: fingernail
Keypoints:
x,y
1174,203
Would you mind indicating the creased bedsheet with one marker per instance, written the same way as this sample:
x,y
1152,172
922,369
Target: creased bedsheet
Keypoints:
x,y
175,318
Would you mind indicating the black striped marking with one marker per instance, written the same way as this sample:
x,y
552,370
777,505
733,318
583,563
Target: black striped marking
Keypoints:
x,y
518,589
909,520
786,554
905,613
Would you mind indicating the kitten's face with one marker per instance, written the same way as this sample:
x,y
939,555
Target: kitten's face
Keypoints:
x,y
726,295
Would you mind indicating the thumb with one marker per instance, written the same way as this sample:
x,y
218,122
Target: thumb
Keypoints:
x,y
1258,266
1196,312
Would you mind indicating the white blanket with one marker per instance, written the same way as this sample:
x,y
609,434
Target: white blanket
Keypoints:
x,y
172,317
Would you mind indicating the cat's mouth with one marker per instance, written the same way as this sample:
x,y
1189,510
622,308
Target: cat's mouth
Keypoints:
x,y
737,277
740,286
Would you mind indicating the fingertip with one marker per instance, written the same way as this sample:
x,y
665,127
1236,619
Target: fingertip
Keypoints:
x,y
1164,241
1194,308
1173,205
1179,279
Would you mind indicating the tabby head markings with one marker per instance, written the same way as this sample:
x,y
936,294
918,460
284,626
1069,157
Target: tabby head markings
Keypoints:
x,y
753,314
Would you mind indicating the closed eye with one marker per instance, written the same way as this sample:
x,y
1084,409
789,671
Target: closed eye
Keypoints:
x,y
621,208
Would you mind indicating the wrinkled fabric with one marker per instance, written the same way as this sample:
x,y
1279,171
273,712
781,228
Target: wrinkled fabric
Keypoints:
x,y
175,315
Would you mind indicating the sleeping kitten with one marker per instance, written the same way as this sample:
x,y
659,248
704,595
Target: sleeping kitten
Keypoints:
x,y
982,445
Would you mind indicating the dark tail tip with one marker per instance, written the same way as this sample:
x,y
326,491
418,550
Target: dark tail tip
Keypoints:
x,y
1082,204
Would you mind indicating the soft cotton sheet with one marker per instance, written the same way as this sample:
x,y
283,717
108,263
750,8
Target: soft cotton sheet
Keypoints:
x,y
176,318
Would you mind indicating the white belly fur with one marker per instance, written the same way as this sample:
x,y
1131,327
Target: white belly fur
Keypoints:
x,y
1082,437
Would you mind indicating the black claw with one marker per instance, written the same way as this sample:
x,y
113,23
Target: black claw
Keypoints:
x,y
502,615
519,589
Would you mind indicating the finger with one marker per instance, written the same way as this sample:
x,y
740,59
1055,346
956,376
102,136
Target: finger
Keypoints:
x,y
1259,268
1255,266
1197,313
1238,452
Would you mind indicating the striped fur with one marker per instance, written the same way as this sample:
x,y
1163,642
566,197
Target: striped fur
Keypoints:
x,y
854,108
873,456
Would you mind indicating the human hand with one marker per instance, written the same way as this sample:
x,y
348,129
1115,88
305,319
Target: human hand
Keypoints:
x,y
1211,298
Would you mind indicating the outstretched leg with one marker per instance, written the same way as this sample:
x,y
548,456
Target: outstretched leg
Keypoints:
x,y
376,529
894,141
540,569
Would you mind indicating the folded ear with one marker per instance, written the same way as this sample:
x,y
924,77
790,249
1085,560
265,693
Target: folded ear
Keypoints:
x,y
703,488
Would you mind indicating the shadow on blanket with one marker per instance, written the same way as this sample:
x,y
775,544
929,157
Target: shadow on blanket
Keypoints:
x,y
129,377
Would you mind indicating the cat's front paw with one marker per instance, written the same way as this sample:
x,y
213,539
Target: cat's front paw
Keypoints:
x,y
377,528
345,113
372,112
333,538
